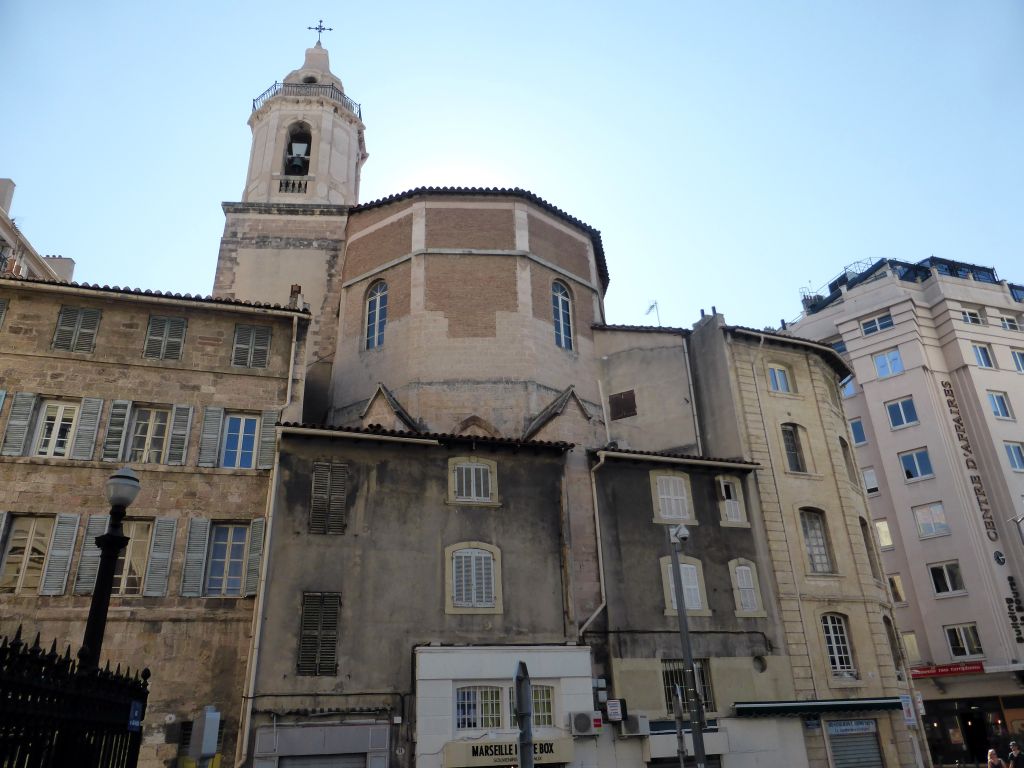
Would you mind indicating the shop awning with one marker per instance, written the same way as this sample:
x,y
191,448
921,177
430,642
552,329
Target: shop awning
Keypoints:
x,y
814,706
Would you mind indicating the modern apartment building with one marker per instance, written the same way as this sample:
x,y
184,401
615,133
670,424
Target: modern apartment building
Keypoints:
x,y
937,349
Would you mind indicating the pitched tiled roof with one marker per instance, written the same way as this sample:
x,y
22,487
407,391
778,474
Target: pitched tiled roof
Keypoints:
x,y
674,455
830,355
595,235
157,294
641,328
441,437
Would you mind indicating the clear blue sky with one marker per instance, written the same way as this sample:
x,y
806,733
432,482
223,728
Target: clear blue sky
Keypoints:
x,y
729,152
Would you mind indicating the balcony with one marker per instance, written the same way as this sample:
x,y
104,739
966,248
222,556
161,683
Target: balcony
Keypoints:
x,y
308,91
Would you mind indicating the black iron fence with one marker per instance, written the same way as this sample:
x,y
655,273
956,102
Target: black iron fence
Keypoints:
x,y
308,90
53,714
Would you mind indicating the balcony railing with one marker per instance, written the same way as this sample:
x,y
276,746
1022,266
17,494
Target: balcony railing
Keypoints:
x,y
308,90
296,184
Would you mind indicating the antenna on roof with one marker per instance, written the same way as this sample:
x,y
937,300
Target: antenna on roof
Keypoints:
x,y
654,308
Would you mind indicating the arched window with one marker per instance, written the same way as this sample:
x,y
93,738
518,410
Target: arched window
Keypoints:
x,y
746,589
869,545
819,552
837,645
473,578
561,311
376,314
851,469
793,444
691,573
296,150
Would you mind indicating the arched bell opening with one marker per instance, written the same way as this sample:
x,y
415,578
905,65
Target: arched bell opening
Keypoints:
x,y
296,154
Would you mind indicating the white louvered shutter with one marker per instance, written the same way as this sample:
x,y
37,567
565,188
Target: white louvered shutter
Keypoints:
x,y
309,633
260,346
181,425
252,560
84,444
209,441
155,335
67,326
195,557
329,615
175,341
89,560
88,324
241,352
691,587
117,427
158,567
58,558
321,497
268,440
337,513
462,578
18,422
745,583
672,497
483,579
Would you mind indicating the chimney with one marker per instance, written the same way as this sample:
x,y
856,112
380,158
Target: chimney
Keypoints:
x,y
6,195
293,299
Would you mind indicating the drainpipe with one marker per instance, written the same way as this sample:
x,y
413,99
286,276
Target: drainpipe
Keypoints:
x,y
600,550
693,398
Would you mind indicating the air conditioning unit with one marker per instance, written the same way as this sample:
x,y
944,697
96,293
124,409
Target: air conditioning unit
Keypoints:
x,y
585,723
636,725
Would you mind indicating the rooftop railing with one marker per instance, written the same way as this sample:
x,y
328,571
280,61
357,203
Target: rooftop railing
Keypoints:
x,y
308,90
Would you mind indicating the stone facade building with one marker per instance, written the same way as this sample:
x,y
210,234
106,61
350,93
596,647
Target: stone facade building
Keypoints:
x,y
938,356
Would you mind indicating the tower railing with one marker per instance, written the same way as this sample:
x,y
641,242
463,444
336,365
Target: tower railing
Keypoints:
x,y
323,90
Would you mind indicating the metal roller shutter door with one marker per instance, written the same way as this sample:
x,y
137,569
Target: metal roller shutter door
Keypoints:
x,y
856,750
324,761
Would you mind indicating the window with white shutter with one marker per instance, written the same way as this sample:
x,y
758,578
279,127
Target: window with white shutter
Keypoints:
x,y
76,329
222,559
158,568
472,481
165,338
328,511
691,572
318,633
58,559
473,578
730,502
26,546
19,421
746,589
251,347
671,492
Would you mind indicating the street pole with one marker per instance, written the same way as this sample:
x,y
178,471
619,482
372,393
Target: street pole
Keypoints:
x,y
674,538
122,488
524,714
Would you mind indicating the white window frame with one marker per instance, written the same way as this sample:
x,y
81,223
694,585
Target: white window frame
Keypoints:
x,y
224,575
870,479
965,633
470,705
475,604
1015,455
795,453
1009,323
928,516
543,699
34,541
838,648
137,542
376,315
148,437
672,497
243,419
888,363
999,402
746,589
482,477
817,546
863,432
950,573
561,312
780,380
900,406
731,507
1018,359
884,539
896,590
971,317
50,451
983,356
876,324
913,650
919,474
691,573
848,387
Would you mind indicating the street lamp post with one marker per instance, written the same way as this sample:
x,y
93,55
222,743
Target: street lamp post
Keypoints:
x,y
122,488
675,536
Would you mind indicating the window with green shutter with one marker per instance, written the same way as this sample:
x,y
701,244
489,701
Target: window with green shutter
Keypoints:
x,y
76,329
328,506
165,338
318,633
251,348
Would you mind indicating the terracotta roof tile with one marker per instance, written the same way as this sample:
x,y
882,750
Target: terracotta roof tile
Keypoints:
x,y
377,429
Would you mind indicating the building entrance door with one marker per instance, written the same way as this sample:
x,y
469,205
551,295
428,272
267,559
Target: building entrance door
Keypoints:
x,y
324,761
854,744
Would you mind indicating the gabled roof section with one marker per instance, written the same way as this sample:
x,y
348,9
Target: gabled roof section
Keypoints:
x,y
829,355
629,453
522,194
642,329
399,410
155,295
555,408
443,438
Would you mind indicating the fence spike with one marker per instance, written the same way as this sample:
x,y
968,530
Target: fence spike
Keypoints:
x,y
116,671
17,636
53,649
36,648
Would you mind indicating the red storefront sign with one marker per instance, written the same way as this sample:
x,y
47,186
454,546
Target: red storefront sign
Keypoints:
x,y
941,670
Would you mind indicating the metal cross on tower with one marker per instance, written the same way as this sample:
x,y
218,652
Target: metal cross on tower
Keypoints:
x,y
320,29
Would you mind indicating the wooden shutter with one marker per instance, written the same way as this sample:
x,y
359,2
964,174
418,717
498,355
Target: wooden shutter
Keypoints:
x,y
58,557
337,515
88,324
252,560
181,425
195,557
84,444
745,584
242,350
691,587
209,440
117,427
309,633
321,497
268,440
483,579
155,335
462,578
89,560
328,662
260,346
18,422
175,338
622,405
158,567
67,326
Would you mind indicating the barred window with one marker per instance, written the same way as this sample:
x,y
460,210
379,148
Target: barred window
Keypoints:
x,y
837,645
673,674
478,706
